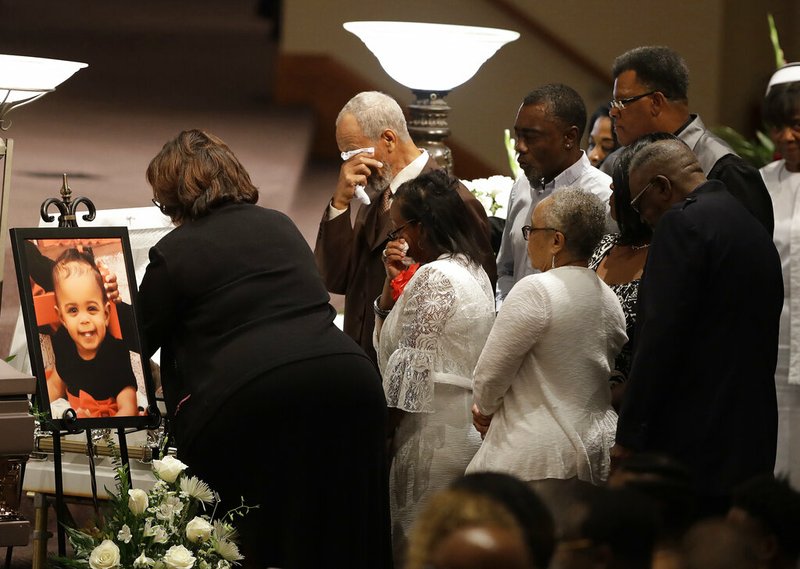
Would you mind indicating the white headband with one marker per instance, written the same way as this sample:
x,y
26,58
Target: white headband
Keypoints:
x,y
789,73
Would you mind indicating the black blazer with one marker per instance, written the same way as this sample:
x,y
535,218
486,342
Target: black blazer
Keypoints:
x,y
227,298
702,385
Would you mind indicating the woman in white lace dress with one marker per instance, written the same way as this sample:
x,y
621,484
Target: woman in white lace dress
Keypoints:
x,y
428,343
541,385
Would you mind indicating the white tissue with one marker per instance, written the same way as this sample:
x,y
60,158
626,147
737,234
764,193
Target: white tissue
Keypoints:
x,y
360,193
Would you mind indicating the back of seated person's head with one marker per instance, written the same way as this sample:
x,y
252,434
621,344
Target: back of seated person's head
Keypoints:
x,y
667,482
714,543
489,529
607,528
517,497
481,546
770,508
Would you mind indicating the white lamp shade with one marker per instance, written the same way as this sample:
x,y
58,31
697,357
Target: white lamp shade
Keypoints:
x,y
23,77
430,57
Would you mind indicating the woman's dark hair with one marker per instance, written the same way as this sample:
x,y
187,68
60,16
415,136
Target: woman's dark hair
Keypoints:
x,y
196,173
603,111
432,200
632,230
782,104
518,498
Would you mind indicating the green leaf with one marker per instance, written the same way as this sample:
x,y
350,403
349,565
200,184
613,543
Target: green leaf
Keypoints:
x,y
780,58
757,152
512,154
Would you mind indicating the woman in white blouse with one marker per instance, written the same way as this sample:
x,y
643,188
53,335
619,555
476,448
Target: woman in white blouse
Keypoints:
x,y
782,178
542,397
428,343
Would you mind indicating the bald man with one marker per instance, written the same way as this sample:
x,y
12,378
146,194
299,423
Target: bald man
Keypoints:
x,y
702,385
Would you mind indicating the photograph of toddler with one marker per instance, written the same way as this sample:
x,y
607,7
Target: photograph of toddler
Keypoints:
x,y
92,368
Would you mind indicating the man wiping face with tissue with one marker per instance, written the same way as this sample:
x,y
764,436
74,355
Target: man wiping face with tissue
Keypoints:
x,y
378,155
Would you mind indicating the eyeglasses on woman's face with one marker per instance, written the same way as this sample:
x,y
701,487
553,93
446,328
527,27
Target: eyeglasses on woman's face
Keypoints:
x,y
528,229
395,233
160,206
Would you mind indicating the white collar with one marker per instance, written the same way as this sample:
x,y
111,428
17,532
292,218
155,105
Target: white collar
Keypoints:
x,y
410,172
572,173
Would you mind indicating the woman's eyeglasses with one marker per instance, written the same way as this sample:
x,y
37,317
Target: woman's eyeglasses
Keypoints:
x,y
392,235
527,230
160,206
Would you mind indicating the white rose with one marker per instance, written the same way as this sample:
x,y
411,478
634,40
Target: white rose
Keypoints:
x,y
178,557
198,530
137,501
169,468
104,556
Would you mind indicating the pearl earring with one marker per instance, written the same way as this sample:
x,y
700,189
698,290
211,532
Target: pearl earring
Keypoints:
x,y
553,262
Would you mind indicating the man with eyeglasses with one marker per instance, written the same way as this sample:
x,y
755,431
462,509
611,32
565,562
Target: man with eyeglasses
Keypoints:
x,y
650,95
378,156
701,387
548,130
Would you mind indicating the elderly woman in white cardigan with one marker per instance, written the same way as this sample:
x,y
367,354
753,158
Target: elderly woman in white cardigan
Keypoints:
x,y
542,398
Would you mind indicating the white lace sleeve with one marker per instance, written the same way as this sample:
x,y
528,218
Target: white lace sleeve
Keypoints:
x,y
407,379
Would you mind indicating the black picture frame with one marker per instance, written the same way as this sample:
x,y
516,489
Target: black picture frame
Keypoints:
x,y
50,334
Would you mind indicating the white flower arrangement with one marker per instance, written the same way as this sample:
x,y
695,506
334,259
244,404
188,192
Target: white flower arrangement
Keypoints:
x,y
164,528
492,192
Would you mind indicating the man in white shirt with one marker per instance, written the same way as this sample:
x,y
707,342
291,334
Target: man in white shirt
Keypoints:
x,y
349,255
548,130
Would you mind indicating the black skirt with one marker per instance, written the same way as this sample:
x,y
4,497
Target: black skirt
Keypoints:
x,y
306,442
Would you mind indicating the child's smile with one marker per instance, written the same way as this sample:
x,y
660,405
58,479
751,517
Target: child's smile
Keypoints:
x,y
83,312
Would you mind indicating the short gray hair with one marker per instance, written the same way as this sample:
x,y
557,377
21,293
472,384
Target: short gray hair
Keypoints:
x,y
375,112
580,216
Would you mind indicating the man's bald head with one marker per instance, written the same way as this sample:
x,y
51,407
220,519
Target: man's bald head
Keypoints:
x,y
666,154
662,172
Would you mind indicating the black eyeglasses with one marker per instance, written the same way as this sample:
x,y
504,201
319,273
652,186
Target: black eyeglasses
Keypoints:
x,y
160,206
527,230
392,235
619,104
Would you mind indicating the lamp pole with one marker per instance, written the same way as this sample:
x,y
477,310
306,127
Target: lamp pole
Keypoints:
x,y
428,126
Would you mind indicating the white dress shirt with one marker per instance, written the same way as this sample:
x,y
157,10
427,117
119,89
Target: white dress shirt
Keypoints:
x,y
512,259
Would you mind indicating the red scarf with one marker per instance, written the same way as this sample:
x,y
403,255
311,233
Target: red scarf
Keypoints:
x,y
400,281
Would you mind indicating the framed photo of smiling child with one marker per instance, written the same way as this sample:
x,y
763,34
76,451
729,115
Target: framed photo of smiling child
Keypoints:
x,y
77,292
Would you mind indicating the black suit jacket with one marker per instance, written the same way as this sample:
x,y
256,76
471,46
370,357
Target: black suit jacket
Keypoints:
x,y
227,298
702,385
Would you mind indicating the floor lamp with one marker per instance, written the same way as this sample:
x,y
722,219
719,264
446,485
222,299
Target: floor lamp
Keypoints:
x,y
22,81
431,60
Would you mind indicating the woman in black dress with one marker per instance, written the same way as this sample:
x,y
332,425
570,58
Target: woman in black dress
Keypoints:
x,y
619,260
268,399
